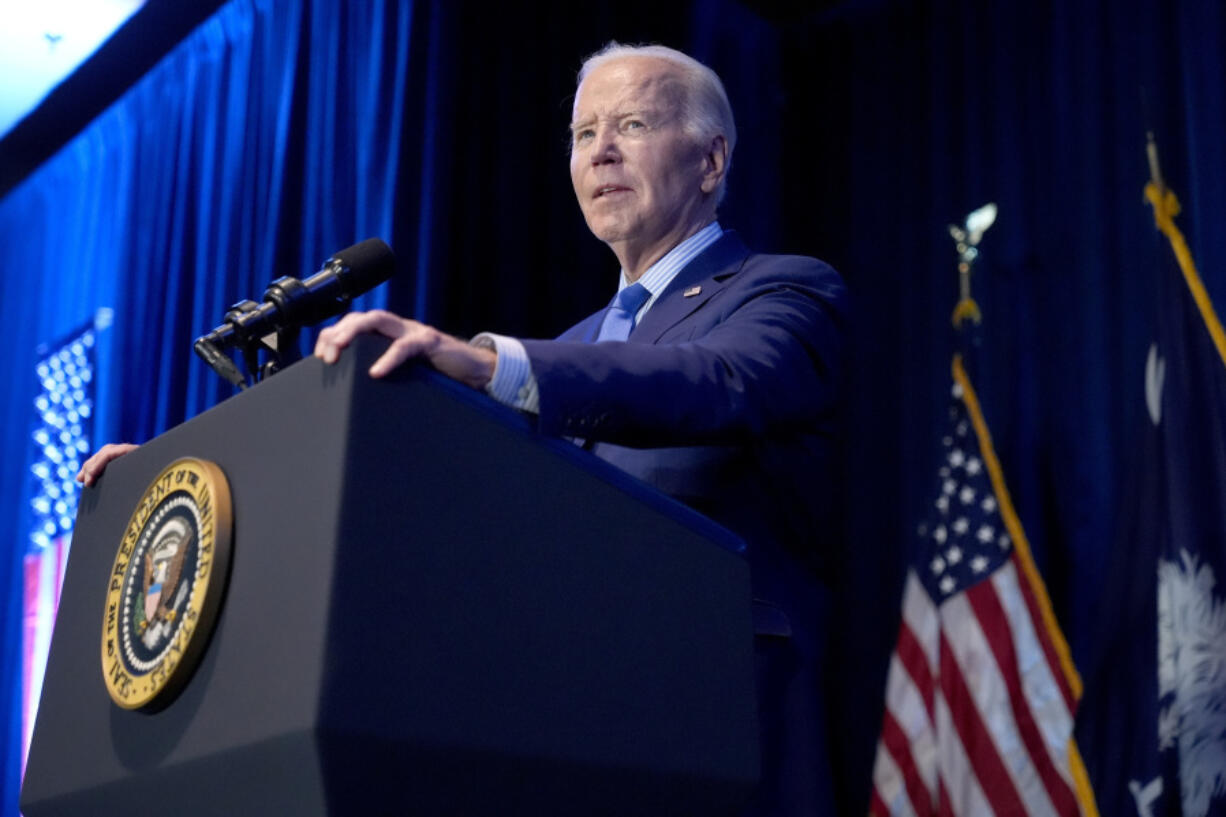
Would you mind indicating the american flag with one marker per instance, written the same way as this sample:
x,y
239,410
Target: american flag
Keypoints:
x,y
981,691
59,442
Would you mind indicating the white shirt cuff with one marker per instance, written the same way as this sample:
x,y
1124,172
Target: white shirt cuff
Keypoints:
x,y
513,383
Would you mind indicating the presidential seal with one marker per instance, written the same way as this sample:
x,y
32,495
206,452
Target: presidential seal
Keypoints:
x,y
166,585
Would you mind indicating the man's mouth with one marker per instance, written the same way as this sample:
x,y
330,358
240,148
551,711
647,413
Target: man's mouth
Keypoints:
x,y
605,190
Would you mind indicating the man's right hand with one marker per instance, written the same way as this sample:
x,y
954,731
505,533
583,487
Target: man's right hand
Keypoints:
x,y
92,470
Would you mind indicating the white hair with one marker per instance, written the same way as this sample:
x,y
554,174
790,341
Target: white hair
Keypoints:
x,y
706,112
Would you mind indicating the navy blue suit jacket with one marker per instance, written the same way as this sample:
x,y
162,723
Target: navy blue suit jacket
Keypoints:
x,y
725,397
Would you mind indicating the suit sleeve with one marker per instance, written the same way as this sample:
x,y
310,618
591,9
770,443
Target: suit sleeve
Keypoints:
x,y
760,356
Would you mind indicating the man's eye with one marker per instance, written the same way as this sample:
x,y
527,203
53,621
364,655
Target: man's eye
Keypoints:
x,y
584,134
634,124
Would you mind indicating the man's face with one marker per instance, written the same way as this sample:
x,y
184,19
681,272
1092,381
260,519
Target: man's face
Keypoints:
x,y
640,178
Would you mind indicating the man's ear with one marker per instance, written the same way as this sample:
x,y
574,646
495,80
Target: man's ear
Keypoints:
x,y
715,163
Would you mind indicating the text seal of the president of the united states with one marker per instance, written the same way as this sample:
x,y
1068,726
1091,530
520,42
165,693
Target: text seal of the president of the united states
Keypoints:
x,y
166,585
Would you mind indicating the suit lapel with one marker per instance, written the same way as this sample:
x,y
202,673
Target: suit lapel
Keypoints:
x,y
585,330
710,271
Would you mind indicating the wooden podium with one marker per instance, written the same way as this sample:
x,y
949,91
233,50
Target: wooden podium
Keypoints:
x,y
431,610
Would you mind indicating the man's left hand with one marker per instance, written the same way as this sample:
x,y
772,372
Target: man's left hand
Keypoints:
x,y
411,339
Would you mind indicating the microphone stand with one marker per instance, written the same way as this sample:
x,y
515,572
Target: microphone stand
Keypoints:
x,y
282,351
274,326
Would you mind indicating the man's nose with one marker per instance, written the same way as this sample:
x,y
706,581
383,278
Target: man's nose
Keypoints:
x,y
606,150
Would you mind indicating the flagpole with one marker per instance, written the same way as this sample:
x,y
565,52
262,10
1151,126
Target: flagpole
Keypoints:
x,y
1166,208
1151,153
966,241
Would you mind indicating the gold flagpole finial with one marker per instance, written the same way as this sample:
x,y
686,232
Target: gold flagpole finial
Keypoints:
x,y
966,240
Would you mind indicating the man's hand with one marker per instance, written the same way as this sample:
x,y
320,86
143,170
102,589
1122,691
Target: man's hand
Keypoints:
x,y
451,356
92,470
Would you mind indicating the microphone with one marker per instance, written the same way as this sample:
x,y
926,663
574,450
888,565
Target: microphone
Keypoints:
x,y
290,303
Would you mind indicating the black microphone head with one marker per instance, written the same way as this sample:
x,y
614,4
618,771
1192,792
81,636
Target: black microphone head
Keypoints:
x,y
349,273
368,264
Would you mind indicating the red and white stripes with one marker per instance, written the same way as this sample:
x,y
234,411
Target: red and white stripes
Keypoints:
x,y
978,713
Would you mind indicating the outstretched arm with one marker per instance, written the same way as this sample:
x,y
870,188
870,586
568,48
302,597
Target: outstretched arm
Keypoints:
x,y
763,357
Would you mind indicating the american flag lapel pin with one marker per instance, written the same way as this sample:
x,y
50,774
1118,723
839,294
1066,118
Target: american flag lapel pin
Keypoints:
x,y
691,292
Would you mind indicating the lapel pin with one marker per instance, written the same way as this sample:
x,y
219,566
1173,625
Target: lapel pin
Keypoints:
x,y
691,292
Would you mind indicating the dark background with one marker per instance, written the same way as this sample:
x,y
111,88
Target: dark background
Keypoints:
x,y
277,133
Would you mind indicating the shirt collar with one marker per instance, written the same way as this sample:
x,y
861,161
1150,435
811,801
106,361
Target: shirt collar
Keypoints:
x,y
659,275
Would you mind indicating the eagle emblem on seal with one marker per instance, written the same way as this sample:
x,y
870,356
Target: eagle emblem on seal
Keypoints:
x,y
163,568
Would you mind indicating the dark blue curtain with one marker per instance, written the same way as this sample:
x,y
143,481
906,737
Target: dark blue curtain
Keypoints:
x,y
282,131
1042,108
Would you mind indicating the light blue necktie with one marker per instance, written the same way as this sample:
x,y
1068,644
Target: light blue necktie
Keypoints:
x,y
619,318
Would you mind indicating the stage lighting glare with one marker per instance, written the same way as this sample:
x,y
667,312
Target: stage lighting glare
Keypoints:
x,y
42,43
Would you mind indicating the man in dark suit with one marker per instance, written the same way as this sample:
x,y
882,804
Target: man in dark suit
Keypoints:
x,y
723,393
713,376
